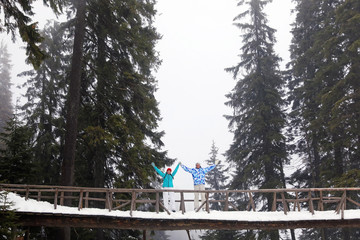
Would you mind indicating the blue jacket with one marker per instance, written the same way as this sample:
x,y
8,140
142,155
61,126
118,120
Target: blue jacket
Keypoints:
x,y
198,174
167,178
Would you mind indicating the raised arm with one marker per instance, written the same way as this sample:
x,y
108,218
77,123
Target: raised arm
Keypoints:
x,y
186,169
158,170
207,169
176,169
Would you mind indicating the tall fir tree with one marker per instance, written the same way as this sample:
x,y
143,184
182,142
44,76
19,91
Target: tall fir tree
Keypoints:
x,y
345,93
121,131
305,123
323,101
46,91
258,149
117,135
5,88
340,100
328,75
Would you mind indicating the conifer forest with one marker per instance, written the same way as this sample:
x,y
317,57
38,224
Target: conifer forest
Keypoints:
x,y
91,117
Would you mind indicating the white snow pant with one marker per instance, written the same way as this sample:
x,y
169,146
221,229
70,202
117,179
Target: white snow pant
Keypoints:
x,y
169,199
196,200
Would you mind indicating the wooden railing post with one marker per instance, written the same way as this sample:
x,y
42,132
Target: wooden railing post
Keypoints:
x,y
207,202
273,208
80,199
311,205
27,193
56,198
133,204
182,202
62,198
321,205
341,207
251,202
106,199
296,202
87,199
285,207
157,203
109,201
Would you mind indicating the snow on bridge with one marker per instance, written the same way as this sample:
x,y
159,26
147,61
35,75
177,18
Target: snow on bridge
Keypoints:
x,y
40,213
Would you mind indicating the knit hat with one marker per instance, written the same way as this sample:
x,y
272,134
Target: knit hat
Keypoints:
x,y
169,169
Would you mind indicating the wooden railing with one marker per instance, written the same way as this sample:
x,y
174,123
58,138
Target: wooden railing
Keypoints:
x,y
311,199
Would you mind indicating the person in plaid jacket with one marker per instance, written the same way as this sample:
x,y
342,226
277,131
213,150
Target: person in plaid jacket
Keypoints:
x,y
198,174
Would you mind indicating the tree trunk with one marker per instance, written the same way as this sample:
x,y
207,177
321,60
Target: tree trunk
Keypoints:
x,y
100,155
73,102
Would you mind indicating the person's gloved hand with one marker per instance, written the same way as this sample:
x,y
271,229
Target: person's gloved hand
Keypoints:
x,y
153,164
217,162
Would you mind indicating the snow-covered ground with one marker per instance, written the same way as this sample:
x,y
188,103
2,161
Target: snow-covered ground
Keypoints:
x,y
30,205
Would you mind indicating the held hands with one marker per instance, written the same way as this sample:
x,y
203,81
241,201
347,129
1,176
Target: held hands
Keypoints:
x,y
217,162
153,164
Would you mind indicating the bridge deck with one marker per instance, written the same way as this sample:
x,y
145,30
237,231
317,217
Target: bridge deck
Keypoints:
x,y
113,222
37,213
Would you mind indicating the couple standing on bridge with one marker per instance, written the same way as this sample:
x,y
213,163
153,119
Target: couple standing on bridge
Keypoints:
x,y
198,174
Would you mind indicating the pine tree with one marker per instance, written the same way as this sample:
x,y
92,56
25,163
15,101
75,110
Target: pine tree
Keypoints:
x,y
117,136
217,178
16,160
306,103
258,149
119,94
341,99
119,112
346,92
5,96
330,73
46,88
304,89
324,105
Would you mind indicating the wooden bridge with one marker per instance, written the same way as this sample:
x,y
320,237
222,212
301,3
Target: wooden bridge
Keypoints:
x,y
135,201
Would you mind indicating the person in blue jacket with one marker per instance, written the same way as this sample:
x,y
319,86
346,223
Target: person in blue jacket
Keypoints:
x,y
198,174
168,177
